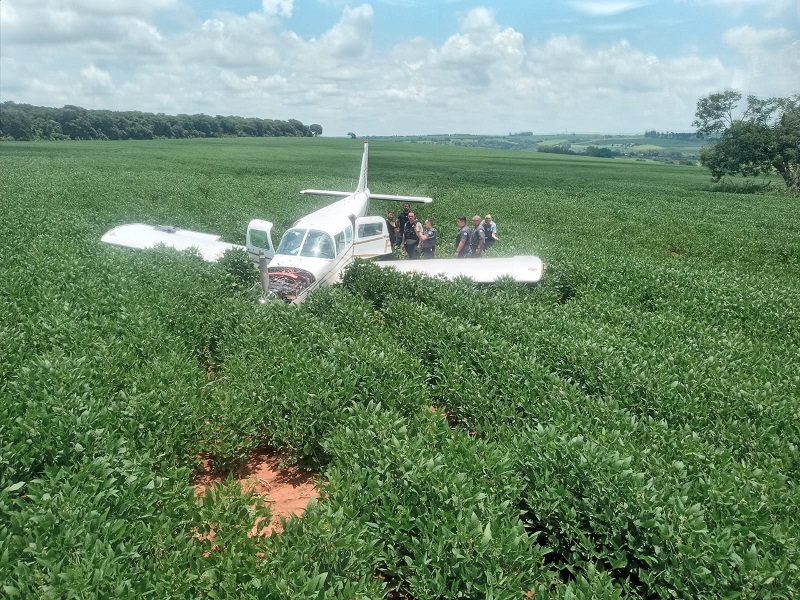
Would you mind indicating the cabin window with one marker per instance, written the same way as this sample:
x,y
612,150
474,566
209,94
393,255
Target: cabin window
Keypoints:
x,y
348,234
340,243
318,244
291,241
259,239
370,229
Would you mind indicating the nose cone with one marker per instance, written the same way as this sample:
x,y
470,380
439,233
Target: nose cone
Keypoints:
x,y
288,283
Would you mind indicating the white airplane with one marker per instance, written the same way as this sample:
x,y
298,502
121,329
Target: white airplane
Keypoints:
x,y
319,246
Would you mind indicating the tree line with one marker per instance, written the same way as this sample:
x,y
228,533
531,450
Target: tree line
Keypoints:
x,y
566,148
26,122
652,133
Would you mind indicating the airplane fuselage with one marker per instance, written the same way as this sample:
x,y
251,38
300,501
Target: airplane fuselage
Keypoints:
x,y
317,248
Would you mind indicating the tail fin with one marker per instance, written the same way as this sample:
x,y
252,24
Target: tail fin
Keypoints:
x,y
362,178
362,186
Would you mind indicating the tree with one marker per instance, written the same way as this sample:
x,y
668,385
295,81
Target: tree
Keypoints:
x,y
352,135
14,122
764,138
300,130
315,129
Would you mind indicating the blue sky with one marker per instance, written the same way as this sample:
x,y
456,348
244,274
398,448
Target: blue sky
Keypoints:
x,y
403,66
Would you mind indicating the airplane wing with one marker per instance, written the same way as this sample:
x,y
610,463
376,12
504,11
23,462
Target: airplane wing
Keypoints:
x,y
525,269
140,236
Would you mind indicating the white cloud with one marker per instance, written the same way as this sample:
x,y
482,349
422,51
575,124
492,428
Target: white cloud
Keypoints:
x,y
608,8
96,77
771,60
51,23
350,37
480,52
281,8
110,7
401,3
489,77
749,39
770,8
213,25
604,83
479,22
252,84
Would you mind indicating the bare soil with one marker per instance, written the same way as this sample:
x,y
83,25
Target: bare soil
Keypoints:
x,y
285,489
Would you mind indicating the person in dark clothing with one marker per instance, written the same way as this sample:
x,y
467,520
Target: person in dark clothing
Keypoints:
x,y
462,239
429,241
477,238
392,228
402,219
412,237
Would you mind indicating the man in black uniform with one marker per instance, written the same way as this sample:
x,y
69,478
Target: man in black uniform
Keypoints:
x,y
462,239
429,243
477,237
402,219
412,237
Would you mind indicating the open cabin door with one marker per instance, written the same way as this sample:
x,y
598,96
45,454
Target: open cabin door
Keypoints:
x,y
372,237
259,239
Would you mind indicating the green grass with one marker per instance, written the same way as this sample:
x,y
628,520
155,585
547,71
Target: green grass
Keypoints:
x,y
627,428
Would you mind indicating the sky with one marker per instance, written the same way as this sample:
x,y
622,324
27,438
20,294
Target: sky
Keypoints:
x,y
403,67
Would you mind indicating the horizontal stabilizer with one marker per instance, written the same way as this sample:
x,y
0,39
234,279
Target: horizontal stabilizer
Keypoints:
x,y
391,197
422,199
525,269
141,237
327,193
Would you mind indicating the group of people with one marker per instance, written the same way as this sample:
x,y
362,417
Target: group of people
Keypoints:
x,y
419,240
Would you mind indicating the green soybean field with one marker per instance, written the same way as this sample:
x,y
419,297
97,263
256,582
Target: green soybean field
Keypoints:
x,y
628,428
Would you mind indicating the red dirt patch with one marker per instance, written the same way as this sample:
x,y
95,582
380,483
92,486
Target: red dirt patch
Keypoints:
x,y
285,489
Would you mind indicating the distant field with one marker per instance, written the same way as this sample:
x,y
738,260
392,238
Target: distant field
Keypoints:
x,y
628,428
662,146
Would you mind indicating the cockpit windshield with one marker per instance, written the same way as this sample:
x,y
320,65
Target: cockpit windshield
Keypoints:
x,y
291,242
318,244
307,242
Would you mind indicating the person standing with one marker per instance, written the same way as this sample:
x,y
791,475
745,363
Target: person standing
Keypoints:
x,y
402,219
412,237
392,228
462,238
477,238
429,240
490,230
